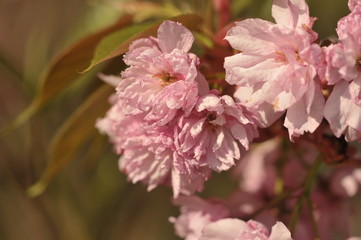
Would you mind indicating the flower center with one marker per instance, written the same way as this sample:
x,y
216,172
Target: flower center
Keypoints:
x,y
167,78
211,116
288,56
281,57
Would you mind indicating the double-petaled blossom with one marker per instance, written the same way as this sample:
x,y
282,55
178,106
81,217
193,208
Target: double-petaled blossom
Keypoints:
x,y
145,156
162,76
215,132
343,107
236,229
278,63
148,152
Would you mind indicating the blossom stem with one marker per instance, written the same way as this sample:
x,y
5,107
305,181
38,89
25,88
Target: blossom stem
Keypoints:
x,y
311,176
314,226
273,202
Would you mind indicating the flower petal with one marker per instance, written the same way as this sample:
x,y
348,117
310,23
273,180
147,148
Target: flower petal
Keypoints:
x,y
290,13
173,35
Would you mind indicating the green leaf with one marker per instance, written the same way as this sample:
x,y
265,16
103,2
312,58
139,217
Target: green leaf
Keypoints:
x,y
71,136
109,44
144,10
204,40
239,6
117,43
64,69
208,13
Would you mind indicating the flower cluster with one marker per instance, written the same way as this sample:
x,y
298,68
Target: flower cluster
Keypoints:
x,y
169,127
172,127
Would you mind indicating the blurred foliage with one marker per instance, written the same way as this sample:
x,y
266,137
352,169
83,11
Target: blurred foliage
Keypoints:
x,y
90,199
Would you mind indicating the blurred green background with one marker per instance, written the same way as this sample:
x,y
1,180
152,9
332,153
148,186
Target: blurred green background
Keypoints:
x,y
90,199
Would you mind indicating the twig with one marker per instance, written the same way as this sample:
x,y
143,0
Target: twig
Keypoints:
x,y
307,192
273,202
314,226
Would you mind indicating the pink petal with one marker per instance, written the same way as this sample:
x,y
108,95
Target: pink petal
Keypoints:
x,y
244,69
239,133
210,102
307,114
225,229
173,35
266,113
253,36
110,79
335,107
343,113
203,87
290,13
280,232
352,135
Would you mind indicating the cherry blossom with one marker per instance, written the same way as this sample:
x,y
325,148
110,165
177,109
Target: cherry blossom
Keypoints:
x,y
279,63
162,76
148,153
214,132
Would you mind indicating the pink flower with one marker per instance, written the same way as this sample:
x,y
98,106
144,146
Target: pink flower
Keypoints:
x,y
236,229
279,63
162,76
343,107
146,156
196,213
148,153
213,133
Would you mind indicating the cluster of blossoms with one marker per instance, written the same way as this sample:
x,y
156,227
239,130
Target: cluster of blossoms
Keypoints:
x,y
172,129
168,126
